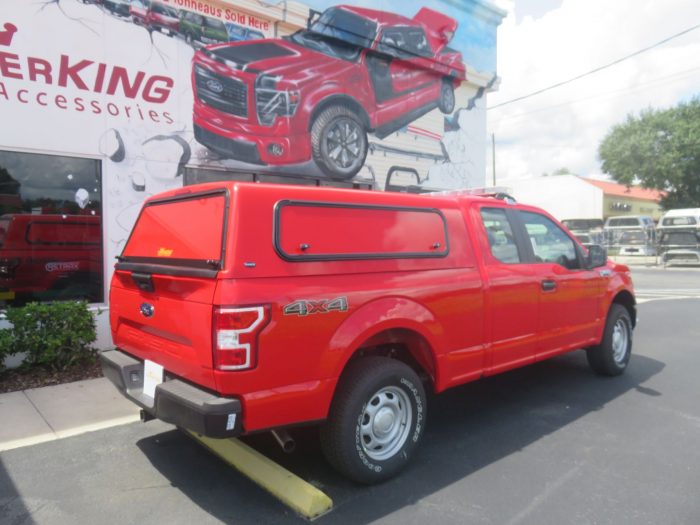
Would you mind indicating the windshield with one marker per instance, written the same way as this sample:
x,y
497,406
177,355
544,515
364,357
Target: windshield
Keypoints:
x,y
678,221
582,224
679,238
338,33
623,221
633,238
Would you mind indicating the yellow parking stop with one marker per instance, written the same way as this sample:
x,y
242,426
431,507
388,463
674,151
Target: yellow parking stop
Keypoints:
x,y
290,489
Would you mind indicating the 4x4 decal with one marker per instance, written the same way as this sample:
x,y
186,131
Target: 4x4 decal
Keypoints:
x,y
321,306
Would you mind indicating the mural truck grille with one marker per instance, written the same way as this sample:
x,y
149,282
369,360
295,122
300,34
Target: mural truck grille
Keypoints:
x,y
225,94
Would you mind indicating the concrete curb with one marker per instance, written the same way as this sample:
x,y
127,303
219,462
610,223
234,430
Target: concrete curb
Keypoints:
x,y
55,412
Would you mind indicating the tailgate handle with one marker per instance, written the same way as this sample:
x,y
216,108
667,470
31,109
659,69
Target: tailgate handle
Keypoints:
x,y
144,281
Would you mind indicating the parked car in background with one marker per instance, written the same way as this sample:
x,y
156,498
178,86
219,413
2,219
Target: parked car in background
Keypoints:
x,y
681,218
588,231
50,256
238,33
635,242
679,246
139,11
200,29
164,18
583,225
616,226
118,7
679,237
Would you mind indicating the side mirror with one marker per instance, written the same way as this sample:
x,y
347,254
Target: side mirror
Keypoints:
x,y
597,256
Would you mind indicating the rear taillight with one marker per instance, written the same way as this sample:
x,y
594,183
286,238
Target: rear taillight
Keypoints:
x,y
236,336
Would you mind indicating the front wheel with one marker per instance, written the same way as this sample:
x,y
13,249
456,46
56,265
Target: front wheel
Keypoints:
x,y
447,97
611,356
338,142
376,420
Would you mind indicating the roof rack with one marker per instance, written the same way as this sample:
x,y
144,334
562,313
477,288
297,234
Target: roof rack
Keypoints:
x,y
496,192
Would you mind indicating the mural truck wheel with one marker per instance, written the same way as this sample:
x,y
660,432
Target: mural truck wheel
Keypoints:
x,y
447,96
338,142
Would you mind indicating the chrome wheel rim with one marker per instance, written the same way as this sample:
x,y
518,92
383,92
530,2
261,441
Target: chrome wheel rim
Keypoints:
x,y
385,423
343,144
620,340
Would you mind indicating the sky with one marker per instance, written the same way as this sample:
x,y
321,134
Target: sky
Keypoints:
x,y
543,42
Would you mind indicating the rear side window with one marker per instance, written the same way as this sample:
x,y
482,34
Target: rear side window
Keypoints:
x,y
185,231
500,235
328,231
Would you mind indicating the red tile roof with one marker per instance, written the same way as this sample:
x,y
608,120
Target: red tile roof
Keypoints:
x,y
620,190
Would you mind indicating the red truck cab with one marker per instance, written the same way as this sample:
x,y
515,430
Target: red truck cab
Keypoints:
x,y
316,94
243,307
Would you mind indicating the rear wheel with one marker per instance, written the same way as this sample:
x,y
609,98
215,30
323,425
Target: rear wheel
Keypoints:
x,y
338,142
611,356
376,420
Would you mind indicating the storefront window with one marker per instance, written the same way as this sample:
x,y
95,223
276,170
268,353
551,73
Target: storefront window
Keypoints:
x,y
50,228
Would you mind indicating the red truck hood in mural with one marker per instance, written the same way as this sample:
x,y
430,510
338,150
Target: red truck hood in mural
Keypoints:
x,y
294,64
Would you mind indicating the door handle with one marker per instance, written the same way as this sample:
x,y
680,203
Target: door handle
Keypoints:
x,y
549,286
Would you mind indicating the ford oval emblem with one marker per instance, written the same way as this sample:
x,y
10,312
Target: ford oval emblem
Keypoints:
x,y
147,310
215,86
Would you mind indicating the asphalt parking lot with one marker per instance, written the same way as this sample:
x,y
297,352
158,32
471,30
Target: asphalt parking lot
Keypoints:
x,y
551,443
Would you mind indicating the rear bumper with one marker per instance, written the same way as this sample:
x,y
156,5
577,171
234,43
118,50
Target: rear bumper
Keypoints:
x,y
175,401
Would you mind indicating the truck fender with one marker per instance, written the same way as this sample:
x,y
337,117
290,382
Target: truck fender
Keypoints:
x,y
376,317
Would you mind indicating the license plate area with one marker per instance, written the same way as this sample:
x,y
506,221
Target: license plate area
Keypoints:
x,y
152,377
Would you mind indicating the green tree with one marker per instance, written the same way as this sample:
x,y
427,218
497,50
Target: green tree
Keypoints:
x,y
659,149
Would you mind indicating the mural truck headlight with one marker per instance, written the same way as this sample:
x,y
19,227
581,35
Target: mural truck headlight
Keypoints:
x,y
271,102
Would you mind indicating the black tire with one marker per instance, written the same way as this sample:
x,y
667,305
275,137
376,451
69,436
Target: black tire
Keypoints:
x,y
339,142
374,392
611,356
447,96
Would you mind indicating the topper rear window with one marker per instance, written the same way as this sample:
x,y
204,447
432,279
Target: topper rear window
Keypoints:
x,y
184,231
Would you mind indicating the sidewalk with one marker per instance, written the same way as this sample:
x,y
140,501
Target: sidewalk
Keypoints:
x,y
54,412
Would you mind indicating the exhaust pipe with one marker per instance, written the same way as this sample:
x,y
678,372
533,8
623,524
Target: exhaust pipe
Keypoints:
x,y
284,440
145,416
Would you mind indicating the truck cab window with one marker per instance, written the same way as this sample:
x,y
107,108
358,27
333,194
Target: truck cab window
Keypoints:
x,y
549,242
500,235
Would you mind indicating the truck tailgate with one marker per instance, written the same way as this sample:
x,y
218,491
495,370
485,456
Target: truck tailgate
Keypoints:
x,y
164,283
177,334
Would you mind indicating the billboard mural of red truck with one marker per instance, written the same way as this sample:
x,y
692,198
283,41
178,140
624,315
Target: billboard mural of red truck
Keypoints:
x,y
317,93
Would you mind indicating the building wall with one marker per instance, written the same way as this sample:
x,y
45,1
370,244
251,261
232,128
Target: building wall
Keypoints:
x,y
79,81
564,196
614,205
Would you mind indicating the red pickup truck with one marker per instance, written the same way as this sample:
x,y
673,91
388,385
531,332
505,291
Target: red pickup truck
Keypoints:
x,y
238,308
315,94
50,256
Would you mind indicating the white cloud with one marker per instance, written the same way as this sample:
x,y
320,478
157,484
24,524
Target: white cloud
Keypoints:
x,y
563,127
